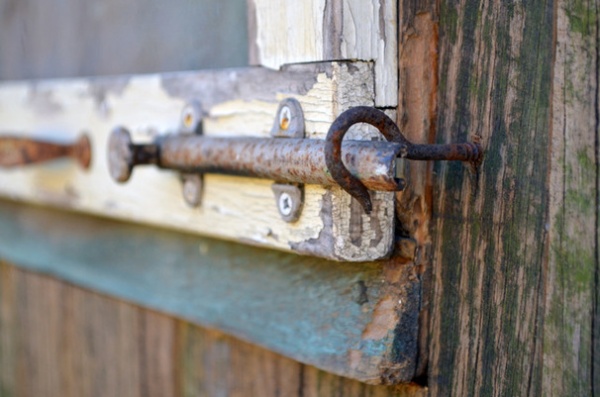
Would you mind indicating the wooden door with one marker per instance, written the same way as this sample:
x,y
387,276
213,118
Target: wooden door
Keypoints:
x,y
492,287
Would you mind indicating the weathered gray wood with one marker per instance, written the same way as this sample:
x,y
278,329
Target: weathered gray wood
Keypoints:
x,y
572,272
499,280
74,343
356,320
69,38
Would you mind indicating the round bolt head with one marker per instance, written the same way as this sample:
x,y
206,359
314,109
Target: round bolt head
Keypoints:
x,y
120,154
192,189
286,204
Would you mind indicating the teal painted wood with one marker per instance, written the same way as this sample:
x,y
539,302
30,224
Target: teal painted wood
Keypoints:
x,y
356,320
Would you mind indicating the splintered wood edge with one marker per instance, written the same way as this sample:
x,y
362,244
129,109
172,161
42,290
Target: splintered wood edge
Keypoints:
x,y
236,102
317,30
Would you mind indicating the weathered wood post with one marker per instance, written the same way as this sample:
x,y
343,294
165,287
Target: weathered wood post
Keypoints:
x,y
513,261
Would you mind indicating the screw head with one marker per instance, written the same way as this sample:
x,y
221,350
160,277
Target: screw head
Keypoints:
x,y
289,120
289,200
286,204
191,118
192,189
285,117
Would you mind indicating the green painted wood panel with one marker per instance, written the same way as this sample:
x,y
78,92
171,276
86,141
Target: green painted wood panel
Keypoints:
x,y
59,340
358,320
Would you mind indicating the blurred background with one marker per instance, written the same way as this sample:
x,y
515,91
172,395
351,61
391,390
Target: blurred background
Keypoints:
x,y
74,38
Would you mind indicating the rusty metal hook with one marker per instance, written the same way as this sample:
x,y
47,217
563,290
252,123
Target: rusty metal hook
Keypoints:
x,y
468,151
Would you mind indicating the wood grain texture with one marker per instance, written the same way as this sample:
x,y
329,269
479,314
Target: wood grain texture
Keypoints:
x,y
236,102
489,257
570,342
60,340
320,30
417,110
44,39
356,320
513,304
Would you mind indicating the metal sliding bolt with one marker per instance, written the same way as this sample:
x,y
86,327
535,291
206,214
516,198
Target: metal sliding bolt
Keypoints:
x,y
123,155
363,165
17,151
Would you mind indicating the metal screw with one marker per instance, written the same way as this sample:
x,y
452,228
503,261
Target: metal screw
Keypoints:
x,y
192,189
289,199
285,117
191,118
286,204
289,120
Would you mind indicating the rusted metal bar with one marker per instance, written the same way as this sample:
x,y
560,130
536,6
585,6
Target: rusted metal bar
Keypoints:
x,y
286,160
357,166
17,151
471,152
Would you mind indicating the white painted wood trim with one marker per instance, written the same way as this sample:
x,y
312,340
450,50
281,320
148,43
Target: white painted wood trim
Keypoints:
x,y
236,103
321,30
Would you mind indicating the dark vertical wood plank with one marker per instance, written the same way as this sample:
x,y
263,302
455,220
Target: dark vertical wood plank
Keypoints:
x,y
216,365
203,362
489,232
39,356
158,342
8,336
322,384
271,375
572,281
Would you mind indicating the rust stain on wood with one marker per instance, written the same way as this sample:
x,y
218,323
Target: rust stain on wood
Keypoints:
x,y
417,112
384,319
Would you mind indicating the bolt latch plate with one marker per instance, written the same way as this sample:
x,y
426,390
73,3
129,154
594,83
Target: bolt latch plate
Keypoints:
x,y
289,199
